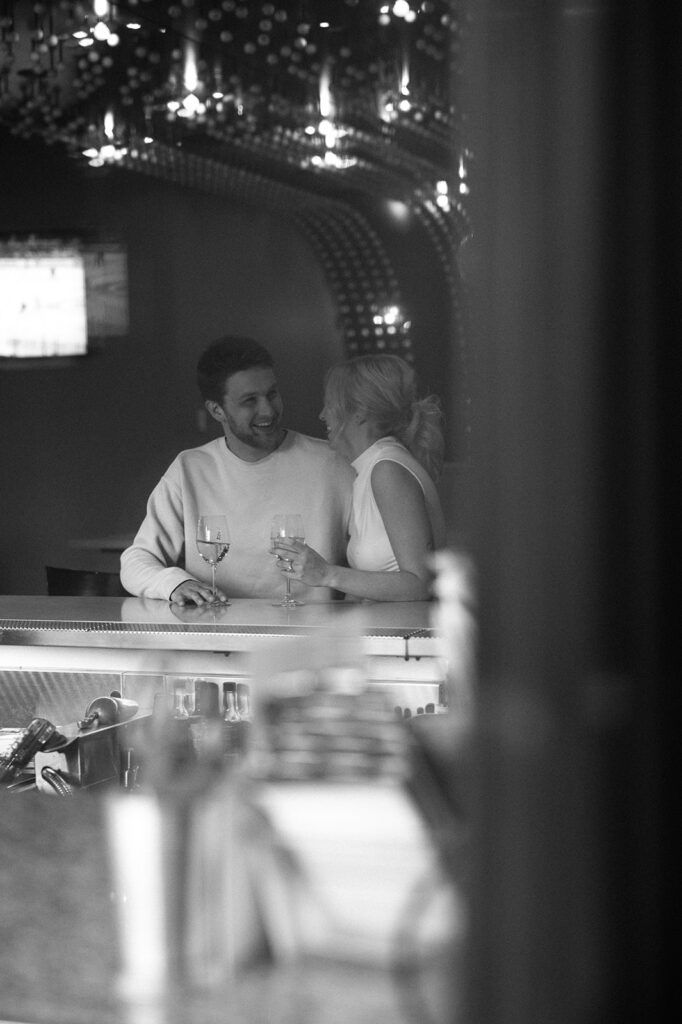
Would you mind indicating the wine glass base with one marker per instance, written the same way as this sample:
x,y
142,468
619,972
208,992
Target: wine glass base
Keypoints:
x,y
288,603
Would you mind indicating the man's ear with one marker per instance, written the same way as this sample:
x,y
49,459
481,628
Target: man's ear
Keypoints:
x,y
215,410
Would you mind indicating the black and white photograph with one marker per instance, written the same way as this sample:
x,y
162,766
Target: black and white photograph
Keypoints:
x,y
339,407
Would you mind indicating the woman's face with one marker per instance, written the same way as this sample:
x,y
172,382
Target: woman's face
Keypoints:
x,y
335,425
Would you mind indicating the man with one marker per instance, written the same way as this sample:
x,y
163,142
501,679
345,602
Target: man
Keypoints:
x,y
256,470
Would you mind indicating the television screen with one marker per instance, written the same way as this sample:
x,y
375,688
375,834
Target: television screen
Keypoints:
x,y
58,295
42,298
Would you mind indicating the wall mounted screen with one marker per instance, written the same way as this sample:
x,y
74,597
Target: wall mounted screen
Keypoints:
x,y
57,296
42,298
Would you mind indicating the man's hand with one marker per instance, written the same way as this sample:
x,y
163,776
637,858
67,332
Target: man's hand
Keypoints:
x,y
194,592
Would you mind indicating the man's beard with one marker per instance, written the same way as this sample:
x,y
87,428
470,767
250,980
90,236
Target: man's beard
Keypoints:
x,y
261,441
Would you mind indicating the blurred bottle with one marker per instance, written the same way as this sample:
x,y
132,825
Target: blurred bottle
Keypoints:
x,y
230,712
243,702
207,698
452,618
236,719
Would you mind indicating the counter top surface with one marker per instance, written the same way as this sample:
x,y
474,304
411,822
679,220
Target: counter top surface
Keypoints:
x,y
146,622
241,613
136,614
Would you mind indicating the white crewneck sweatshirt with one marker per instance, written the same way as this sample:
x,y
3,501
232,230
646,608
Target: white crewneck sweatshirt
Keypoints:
x,y
304,475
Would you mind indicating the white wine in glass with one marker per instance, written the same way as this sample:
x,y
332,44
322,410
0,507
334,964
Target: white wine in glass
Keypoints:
x,y
213,543
286,527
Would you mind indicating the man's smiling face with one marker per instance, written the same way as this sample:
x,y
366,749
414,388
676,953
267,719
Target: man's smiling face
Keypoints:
x,y
251,413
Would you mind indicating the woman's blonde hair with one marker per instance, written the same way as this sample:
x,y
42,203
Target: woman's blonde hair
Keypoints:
x,y
383,388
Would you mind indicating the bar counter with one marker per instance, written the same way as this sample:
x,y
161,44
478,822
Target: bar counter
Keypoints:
x,y
239,626
58,653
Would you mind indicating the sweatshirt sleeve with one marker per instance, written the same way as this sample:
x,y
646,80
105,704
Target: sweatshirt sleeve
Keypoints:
x,y
153,565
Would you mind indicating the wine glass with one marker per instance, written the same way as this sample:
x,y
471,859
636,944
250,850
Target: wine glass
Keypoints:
x,y
213,543
286,527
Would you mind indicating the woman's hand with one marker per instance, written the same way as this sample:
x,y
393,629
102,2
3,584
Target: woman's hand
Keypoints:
x,y
300,562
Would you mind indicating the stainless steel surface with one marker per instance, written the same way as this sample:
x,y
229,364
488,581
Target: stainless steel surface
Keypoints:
x,y
397,628
59,695
92,758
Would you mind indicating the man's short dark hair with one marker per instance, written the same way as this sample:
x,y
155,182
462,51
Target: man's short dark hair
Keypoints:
x,y
224,357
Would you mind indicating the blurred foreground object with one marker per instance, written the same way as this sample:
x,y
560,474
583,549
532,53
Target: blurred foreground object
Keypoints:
x,y
350,868
453,620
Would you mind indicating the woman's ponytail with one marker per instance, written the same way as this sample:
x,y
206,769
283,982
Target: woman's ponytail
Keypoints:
x,y
423,435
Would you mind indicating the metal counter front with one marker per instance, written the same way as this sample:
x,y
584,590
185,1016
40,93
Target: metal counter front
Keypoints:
x,y
59,652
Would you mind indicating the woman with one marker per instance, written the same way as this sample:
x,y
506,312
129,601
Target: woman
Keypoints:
x,y
395,444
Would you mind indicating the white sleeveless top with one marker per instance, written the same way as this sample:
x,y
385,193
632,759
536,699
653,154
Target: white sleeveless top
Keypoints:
x,y
369,547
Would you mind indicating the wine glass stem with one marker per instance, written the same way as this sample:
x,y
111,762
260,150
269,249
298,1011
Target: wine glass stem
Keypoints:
x,y
288,588
213,591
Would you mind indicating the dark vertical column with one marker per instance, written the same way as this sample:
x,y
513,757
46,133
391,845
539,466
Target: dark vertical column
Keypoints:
x,y
572,308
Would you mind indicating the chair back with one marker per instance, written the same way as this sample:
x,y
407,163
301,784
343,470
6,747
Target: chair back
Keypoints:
x,y
64,582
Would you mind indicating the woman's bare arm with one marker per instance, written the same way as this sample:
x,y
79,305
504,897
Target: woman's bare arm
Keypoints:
x,y
400,501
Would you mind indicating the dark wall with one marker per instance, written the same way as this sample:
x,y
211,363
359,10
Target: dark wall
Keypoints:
x,y
83,444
